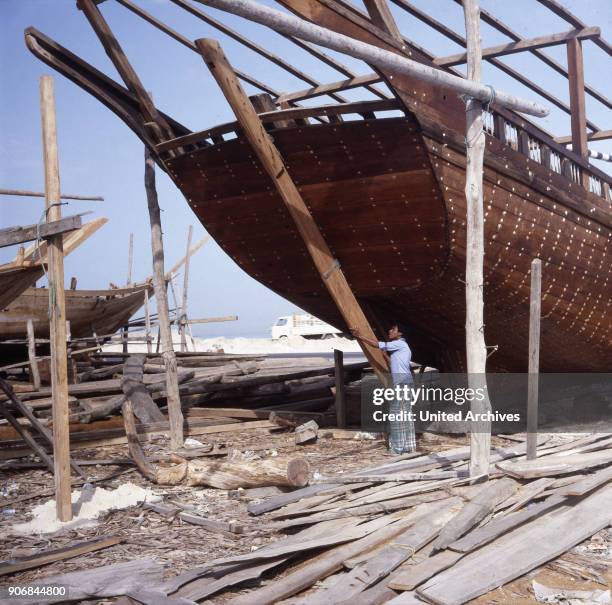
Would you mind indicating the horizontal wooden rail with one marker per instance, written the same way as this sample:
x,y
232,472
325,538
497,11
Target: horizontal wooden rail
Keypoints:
x,y
360,108
18,235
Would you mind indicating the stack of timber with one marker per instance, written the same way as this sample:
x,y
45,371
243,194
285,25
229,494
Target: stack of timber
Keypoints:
x,y
417,529
218,392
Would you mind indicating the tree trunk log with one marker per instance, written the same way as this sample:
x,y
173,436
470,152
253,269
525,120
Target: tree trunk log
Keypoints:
x,y
293,472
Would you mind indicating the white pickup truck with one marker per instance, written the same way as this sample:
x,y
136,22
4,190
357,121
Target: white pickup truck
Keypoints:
x,y
306,326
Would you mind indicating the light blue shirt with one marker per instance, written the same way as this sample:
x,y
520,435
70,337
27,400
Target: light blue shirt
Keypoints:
x,y
400,354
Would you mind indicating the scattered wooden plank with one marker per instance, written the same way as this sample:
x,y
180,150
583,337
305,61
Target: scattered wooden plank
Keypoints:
x,y
227,528
589,483
520,551
551,466
427,518
134,389
306,432
57,554
483,503
525,494
375,532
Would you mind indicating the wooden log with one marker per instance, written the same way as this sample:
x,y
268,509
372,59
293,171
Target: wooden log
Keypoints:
x,y
476,351
34,373
293,26
161,297
322,257
18,235
475,511
520,551
276,471
535,311
183,316
57,306
340,389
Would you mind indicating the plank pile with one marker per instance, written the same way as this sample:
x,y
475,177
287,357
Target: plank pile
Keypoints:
x,y
372,537
218,393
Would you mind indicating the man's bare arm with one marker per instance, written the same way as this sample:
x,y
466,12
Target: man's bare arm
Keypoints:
x,y
359,336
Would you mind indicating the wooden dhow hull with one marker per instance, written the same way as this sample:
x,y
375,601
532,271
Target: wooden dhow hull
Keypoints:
x,y
388,197
101,312
387,194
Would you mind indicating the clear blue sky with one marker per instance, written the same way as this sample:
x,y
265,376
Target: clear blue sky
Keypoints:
x,y
100,155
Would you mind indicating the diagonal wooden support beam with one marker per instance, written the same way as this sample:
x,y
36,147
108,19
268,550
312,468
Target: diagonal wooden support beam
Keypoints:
x,y
575,65
126,71
327,266
600,135
381,16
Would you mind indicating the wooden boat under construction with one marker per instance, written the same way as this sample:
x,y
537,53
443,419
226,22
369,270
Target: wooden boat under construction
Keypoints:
x,y
385,181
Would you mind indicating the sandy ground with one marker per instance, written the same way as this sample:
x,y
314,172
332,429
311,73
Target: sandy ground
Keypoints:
x,y
182,546
250,346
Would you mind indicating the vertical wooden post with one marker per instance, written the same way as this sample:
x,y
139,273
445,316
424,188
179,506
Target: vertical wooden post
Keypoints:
x,y
34,373
130,260
476,351
575,70
183,316
340,390
175,413
147,322
535,306
57,307
124,339
326,264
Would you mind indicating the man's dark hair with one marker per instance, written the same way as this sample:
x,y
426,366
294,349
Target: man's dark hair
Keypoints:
x,y
401,327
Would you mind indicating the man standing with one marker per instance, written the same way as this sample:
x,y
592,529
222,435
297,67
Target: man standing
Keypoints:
x,y
402,438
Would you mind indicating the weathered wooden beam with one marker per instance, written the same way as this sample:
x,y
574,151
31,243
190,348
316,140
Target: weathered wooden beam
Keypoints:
x,y
130,260
340,388
183,260
476,351
586,33
126,71
562,12
381,16
575,65
260,50
64,196
34,373
57,306
149,18
183,316
147,317
513,73
288,24
175,413
323,89
599,135
209,320
535,311
19,235
325,262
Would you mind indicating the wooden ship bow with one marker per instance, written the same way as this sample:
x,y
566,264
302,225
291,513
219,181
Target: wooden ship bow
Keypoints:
x,y
384,180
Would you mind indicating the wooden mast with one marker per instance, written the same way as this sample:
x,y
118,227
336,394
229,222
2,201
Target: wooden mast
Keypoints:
x,y
322,257
57,306
476,351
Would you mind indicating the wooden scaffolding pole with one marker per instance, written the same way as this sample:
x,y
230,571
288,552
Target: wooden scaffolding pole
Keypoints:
x,y
130,260
183,317
476,351
34,373
575,70
535,311
175,414
147,322
323,259
57,307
